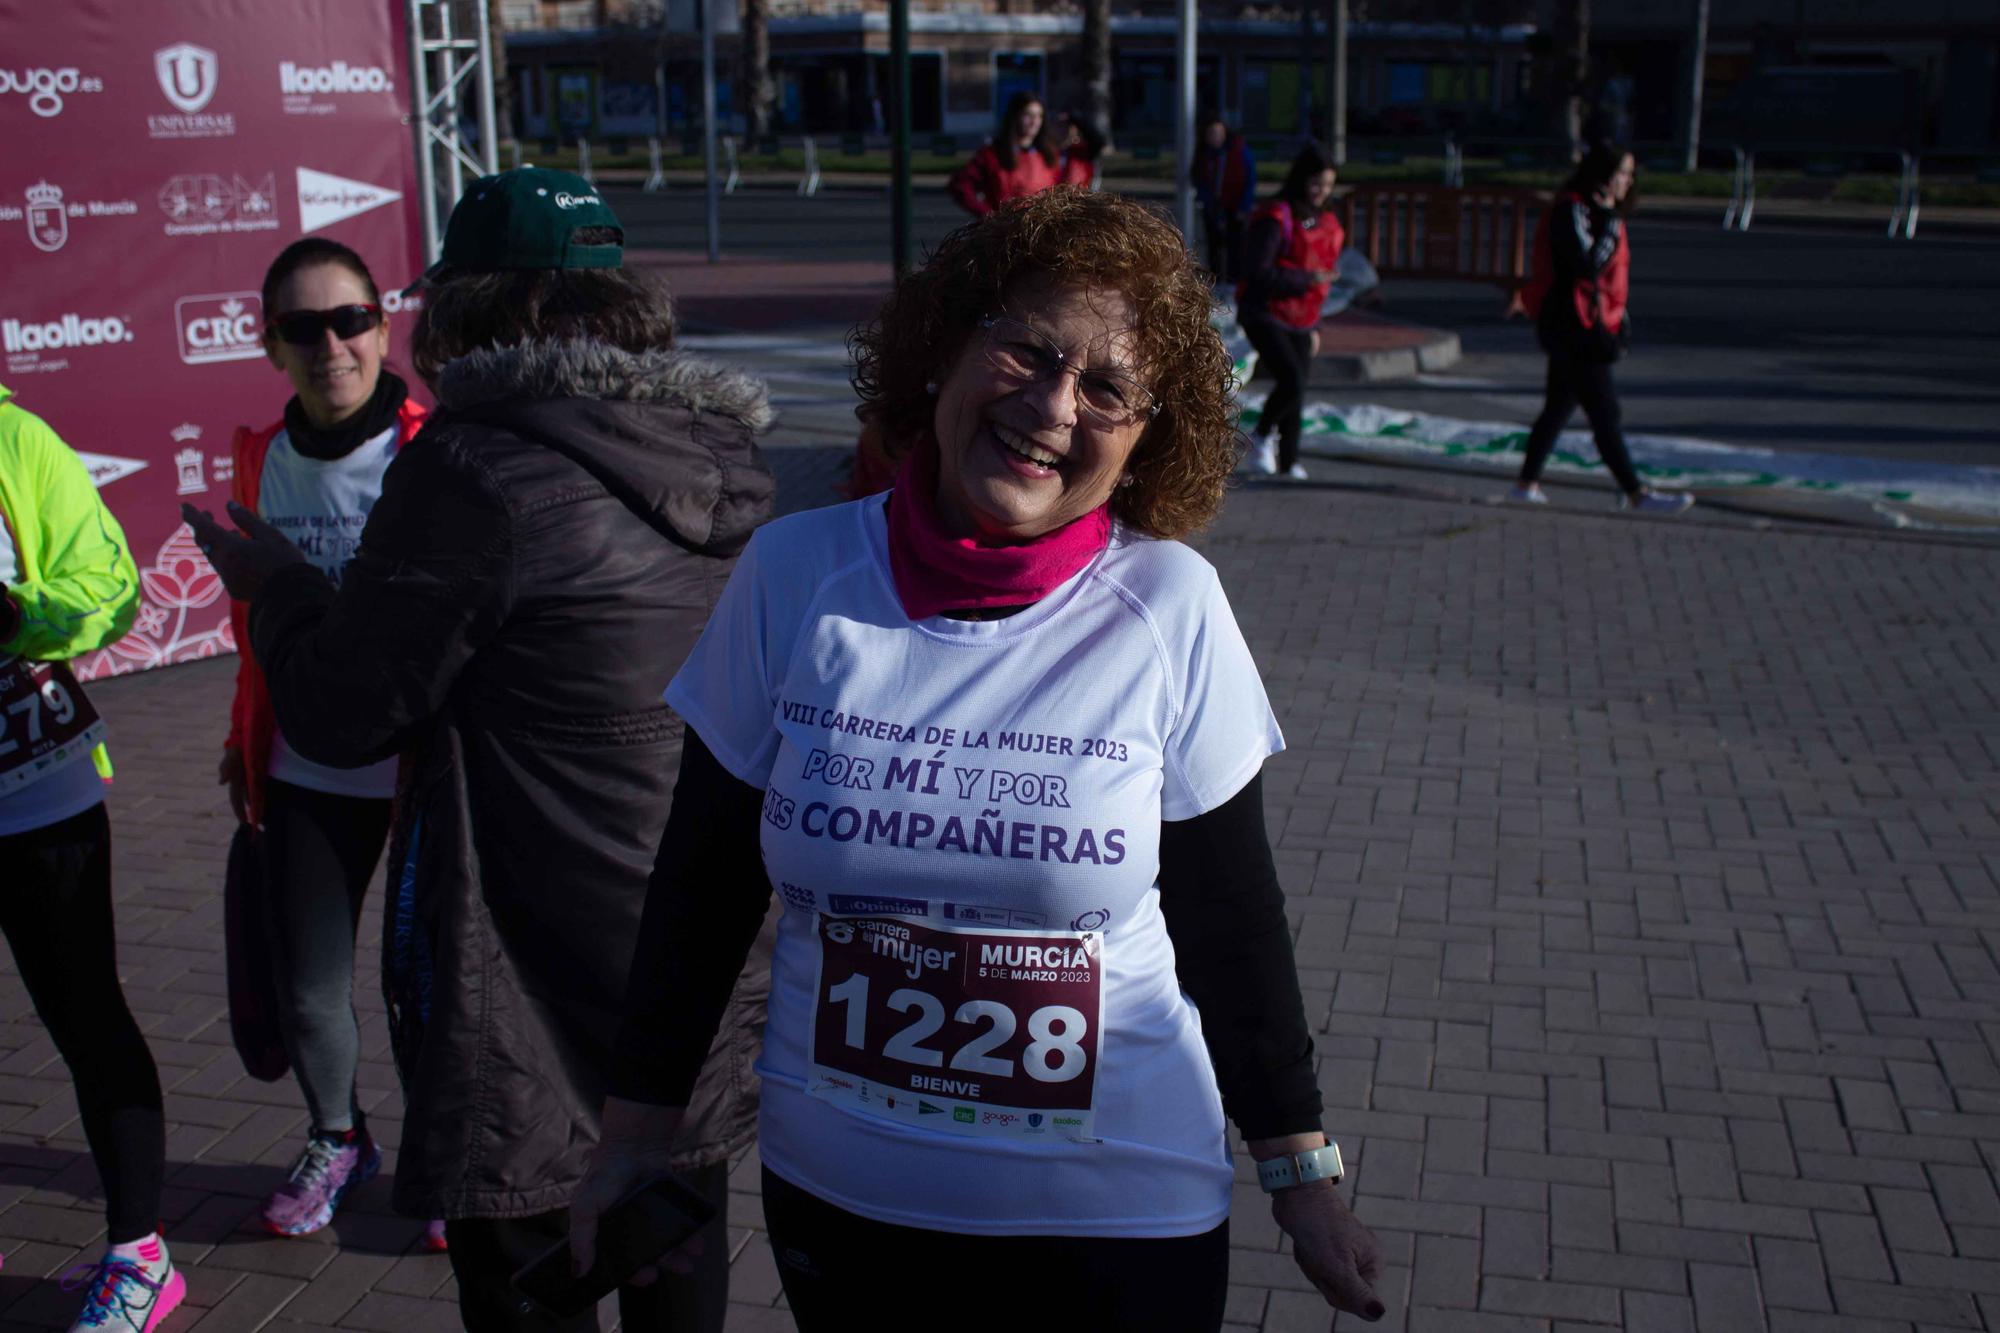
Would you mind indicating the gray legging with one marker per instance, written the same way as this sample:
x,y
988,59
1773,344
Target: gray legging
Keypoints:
x,y
320,852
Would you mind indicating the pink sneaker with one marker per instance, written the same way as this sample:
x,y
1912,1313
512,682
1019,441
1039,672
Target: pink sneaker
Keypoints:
x,y
434,1240
330,1165
126,1295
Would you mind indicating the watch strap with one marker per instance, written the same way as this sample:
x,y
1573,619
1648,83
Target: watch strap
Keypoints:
x,y
1301,1168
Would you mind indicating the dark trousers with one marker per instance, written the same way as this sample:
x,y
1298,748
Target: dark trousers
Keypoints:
x,y
486,1252
1584,380
1285,353
1225,246
320,852
56,913
836,1266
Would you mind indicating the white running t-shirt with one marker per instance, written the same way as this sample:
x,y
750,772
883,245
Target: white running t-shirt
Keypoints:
x,y
322,505
975,1023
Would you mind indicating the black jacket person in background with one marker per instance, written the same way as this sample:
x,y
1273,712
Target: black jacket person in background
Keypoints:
x,y
533,575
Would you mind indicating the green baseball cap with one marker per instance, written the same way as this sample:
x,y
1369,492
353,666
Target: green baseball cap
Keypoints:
x,y
527,218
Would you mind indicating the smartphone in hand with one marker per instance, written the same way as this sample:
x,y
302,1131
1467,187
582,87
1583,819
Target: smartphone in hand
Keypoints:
x,y
632,1233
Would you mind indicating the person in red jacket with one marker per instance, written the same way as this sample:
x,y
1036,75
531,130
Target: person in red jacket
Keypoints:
x,y
1289,259
316,473
1576,296
1082,145
1020,160
1224,176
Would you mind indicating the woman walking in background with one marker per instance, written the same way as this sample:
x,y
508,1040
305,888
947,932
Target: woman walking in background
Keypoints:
x,y
1020,160
1224,175
68,587
1082,145
1289,260
1576,296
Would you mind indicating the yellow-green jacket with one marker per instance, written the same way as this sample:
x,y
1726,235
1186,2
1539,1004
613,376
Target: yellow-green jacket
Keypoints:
x,y
75,582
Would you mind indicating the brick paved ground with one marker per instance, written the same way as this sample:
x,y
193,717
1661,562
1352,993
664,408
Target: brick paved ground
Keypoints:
x,y
1644,878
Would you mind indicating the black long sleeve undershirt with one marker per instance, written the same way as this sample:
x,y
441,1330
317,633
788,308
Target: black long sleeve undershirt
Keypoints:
x,y
1218,892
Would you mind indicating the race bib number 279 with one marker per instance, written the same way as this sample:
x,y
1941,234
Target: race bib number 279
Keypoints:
x,y
985,1033
46,723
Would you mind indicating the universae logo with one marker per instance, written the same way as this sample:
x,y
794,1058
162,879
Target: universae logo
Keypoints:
x,y
187,75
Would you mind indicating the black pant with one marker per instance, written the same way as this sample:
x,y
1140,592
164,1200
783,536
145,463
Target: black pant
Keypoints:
x,y
56,913
1575,379
1286,353
1225,245
836,1266
486,1252
320,852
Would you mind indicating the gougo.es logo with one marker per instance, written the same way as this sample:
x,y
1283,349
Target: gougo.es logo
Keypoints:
x,y
46,88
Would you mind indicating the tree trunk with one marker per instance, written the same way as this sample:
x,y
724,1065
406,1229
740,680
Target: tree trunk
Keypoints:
x,y
503,86
1097,65
1572,60
760,94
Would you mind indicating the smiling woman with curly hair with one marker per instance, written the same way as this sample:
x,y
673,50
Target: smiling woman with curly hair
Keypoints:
x,y
998,737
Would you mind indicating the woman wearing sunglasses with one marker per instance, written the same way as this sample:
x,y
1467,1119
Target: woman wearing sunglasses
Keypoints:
x,y
315,474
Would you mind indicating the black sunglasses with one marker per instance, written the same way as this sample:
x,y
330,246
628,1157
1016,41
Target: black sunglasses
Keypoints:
x,y
304,328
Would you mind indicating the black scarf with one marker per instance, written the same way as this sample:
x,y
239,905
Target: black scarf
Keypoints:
x,y
375,416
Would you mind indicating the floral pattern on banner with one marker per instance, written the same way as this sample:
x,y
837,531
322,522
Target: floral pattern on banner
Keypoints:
x,y
179,583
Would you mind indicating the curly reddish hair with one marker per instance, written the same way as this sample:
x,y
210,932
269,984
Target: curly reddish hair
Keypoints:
x,y
1182,463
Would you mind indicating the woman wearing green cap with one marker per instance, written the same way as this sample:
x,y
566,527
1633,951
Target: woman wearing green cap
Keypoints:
x,y
529,581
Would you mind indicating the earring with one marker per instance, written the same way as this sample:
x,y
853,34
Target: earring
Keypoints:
x,y
930,387
1126,480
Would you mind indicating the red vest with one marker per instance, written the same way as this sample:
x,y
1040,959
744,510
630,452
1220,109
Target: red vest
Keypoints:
x,y
982,184
1308,248
1599,301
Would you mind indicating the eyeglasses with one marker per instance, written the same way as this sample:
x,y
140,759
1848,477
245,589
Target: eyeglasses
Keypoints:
x,y
1024,353
304,328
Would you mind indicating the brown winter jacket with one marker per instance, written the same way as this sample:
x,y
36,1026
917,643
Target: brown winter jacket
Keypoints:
x,y
533,575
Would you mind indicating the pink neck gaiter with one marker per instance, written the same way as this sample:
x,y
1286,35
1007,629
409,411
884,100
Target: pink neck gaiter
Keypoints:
x,y
937,572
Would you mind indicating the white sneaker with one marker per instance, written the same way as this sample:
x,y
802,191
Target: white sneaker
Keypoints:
x,y
1530,494
1297,472
1667,504
1263,456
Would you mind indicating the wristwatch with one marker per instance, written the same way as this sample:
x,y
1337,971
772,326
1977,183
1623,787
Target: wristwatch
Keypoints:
x,y
1304,1168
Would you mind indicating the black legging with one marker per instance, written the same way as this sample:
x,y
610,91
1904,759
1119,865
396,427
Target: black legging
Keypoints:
x,y
835,1265
1225,245
486,1252
320,852
56,914
1286,353
1582,380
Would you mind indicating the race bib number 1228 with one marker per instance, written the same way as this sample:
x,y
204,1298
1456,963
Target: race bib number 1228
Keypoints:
x,y
987,1033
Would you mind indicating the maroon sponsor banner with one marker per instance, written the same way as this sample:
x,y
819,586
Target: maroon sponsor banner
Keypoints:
x,y
158,157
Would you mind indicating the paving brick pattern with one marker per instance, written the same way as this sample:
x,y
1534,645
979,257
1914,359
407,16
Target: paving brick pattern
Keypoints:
x,y
1644,884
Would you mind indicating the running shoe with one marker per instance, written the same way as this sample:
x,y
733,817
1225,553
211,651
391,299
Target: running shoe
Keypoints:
x,y
1263,456
1665,503
1530,494
434,1240
330,1165
1296,472
124,1294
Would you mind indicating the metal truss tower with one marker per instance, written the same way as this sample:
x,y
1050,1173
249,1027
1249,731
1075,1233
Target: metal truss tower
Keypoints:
x,y
451,72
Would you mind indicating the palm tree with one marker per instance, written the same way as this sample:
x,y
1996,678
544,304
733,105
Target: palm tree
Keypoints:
x,y
1097,64
761,93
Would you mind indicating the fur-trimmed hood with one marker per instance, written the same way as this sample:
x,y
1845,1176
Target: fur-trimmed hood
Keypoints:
x,y
671,435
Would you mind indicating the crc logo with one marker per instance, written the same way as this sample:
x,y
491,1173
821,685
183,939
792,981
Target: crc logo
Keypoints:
x,y
187,75
840,932
225,327
45,88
